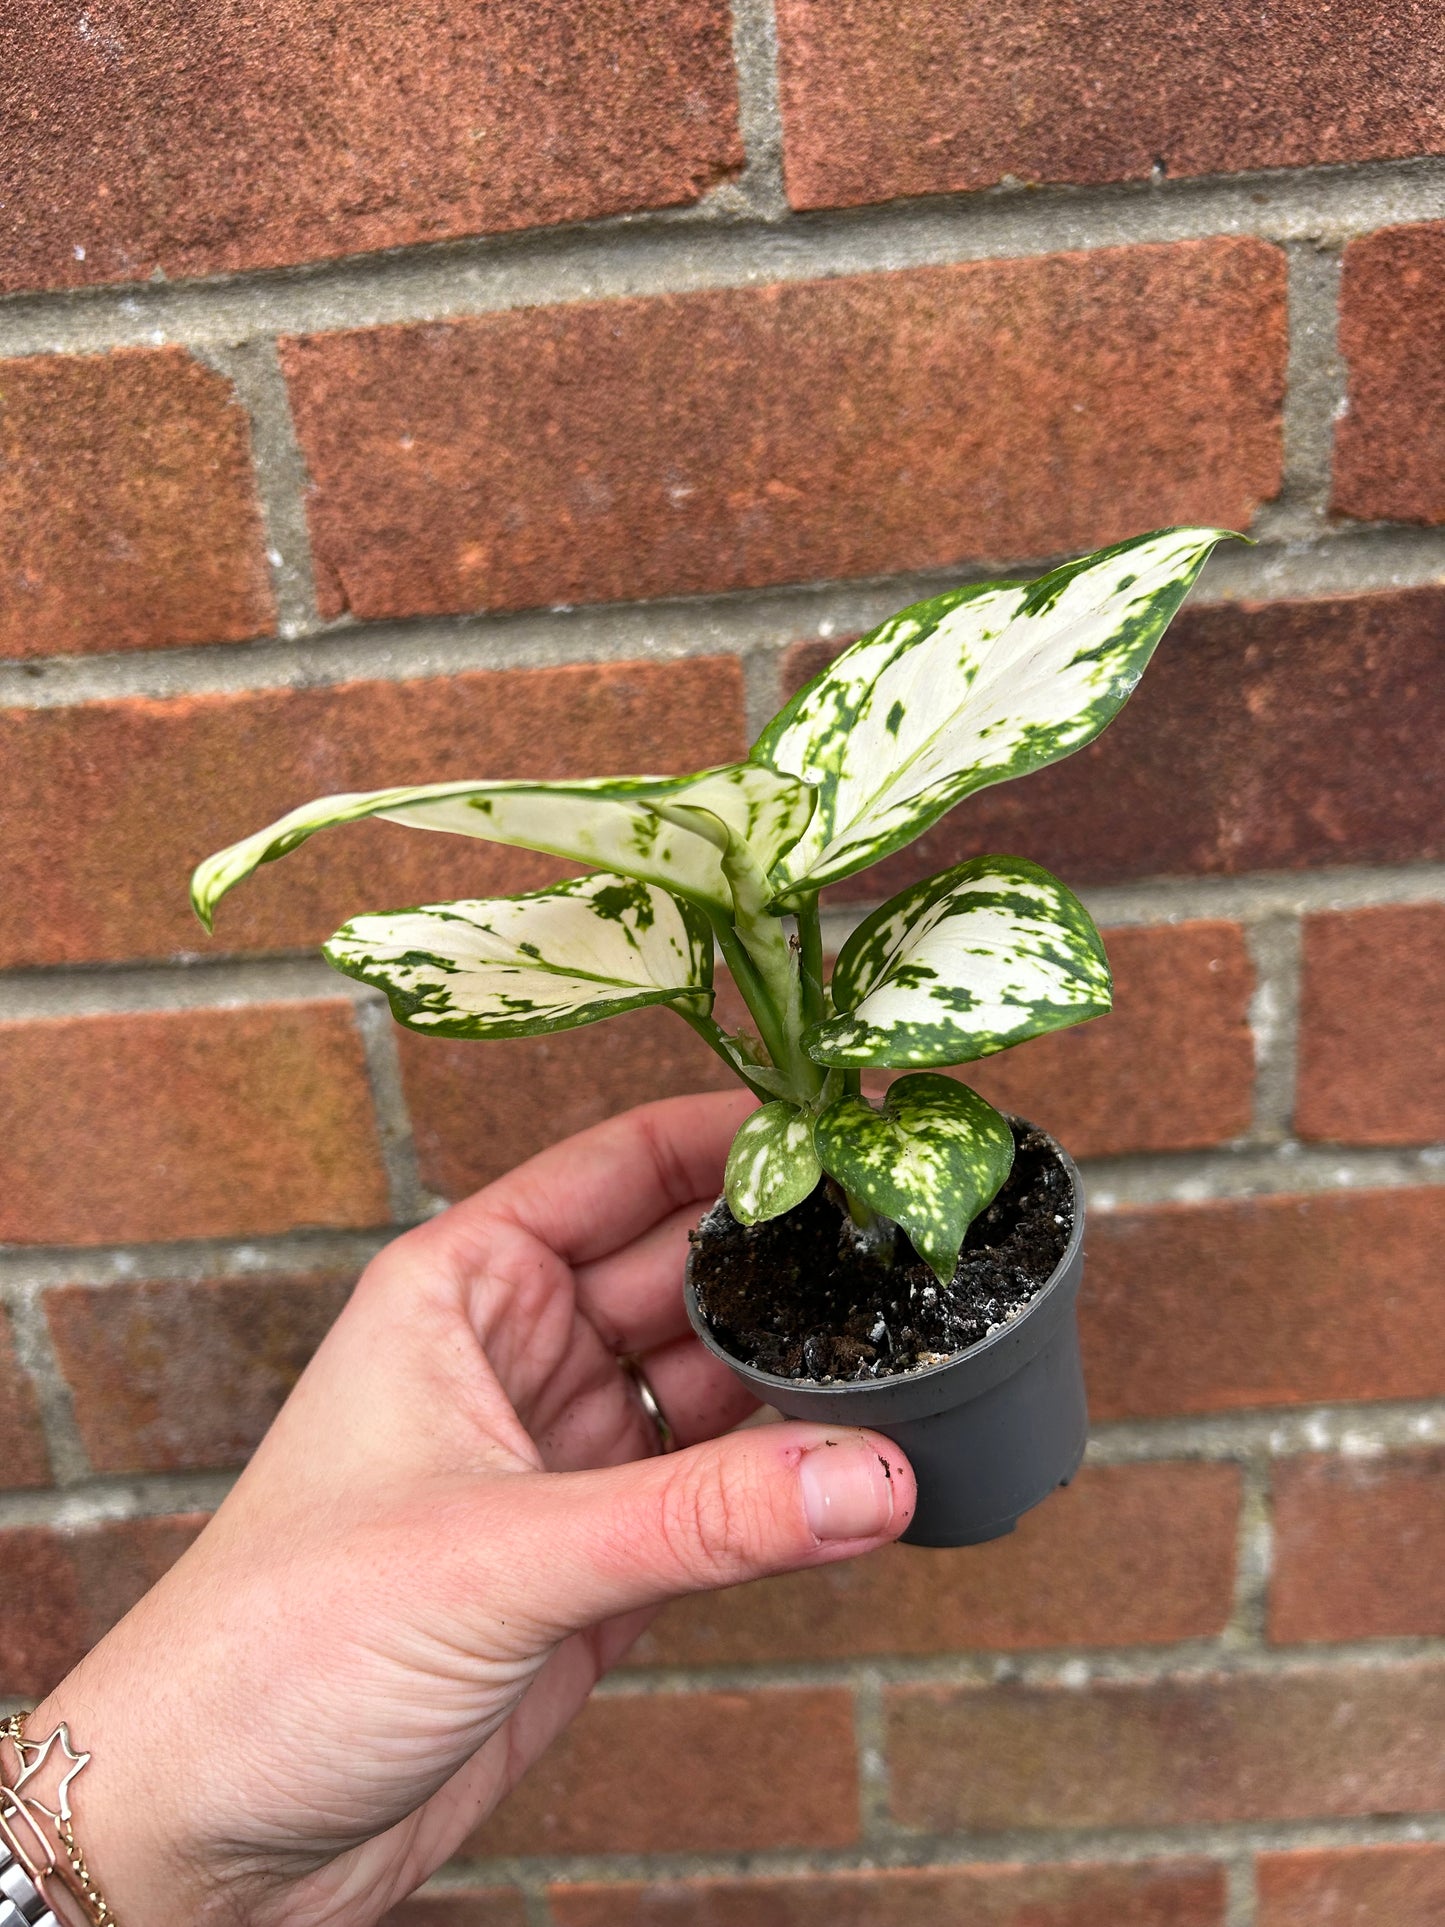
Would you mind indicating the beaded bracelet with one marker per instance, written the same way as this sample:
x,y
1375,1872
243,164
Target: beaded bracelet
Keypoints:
x,y
15,1806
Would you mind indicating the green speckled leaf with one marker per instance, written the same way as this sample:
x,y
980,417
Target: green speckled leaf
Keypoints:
x,y
514,966
772,1165
967,689
963,965
667,830
931,1160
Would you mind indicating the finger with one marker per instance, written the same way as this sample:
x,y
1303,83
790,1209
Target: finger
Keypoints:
x,y
605,1187
634,1296
582,1547
699,1396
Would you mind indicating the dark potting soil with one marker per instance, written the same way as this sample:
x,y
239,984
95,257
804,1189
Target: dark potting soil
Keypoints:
x,y
800,1296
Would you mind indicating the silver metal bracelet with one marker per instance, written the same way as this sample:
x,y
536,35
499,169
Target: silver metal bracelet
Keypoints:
x,y
21,1902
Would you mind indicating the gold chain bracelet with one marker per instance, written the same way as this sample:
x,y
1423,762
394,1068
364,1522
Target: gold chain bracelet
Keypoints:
x,y
32,1756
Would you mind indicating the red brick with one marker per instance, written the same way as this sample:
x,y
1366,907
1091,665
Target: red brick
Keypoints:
x,y
23,1458
65,1589
1390,442
108,806
155,1125
754,1770
1206,1749
1171,1068
1357,1548
289,132
485,1907
1264,1301
726,439
1372,1041
1130,1555
1353,1887
127,506
1273,736
1185,1894
931,96
178,1373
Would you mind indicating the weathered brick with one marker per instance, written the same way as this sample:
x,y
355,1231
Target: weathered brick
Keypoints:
x,y
1400,1886
928,98
1264,1301
1204,1748
178,1373
107,806
1272,736
23,1459
161,140
128,515
476,1907
1130,1555
1183,1894
1171,1068
1371,1042
1389,458
772,1768
65,1589
1356,1548
156,1125
721,440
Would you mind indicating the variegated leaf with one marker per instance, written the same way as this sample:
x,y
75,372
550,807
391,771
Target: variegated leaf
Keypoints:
x,y
967,689
772,1165
963,965
513,966
664,830
930,1160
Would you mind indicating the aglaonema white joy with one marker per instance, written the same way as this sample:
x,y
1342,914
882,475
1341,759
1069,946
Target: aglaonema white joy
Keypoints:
x,y
966,689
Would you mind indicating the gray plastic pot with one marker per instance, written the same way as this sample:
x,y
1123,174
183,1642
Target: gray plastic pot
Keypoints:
x,y
990,1433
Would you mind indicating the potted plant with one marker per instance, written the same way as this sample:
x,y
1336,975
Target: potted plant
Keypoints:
x,y
911,1265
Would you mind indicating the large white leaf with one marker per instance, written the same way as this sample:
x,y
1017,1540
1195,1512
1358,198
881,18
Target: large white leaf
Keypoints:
x,y
981,957
967,689
667,830
931,1160
513,966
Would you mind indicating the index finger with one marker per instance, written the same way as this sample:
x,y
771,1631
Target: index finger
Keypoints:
x,y
593,1193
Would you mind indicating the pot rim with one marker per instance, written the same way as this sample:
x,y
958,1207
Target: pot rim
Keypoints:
x,y
988,1354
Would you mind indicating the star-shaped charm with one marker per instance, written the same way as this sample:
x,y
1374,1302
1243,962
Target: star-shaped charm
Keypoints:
x,y
30,1767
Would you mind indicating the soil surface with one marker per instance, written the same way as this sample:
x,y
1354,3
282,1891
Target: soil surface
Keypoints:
x,y
801,1297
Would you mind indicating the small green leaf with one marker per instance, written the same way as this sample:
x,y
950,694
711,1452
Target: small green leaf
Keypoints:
x,y
931,1160
667,830
981,957
969,688
772,1165
517,966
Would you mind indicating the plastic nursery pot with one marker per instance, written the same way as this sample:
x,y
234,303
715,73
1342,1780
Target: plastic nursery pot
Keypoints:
x,y
990,1432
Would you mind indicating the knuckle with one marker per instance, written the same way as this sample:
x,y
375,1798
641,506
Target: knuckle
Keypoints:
x,y
715,1521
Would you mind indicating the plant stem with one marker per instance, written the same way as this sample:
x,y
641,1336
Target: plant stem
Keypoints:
x,y
753,991
810,938
716,1039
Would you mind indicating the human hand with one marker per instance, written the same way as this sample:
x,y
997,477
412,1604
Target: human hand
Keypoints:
x,y
457,1524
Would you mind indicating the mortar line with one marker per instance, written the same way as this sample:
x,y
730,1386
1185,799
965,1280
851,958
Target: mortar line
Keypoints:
x,y
106,1499
1347,559
755,63
1314,393
254,371
1275,944
1041,1847
710,247
1248,1629
410,1203
1240,1887
64,1448
870,1739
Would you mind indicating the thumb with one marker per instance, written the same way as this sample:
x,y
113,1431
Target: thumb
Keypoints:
x,y
773,1498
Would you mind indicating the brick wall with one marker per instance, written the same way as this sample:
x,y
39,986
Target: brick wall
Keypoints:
x,y
400,391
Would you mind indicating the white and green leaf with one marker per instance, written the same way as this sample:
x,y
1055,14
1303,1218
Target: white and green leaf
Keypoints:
x,y
981,957
772,1164
670,831
515,966
931,1160
966,689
